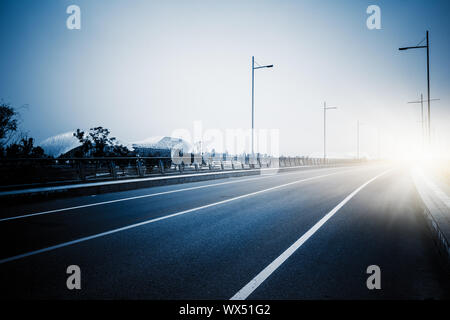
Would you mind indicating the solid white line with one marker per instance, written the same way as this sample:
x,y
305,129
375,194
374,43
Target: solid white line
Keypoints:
x,y
65,244
139,197
266,272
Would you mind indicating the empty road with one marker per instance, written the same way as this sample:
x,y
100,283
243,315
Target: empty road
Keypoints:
x,y
308,234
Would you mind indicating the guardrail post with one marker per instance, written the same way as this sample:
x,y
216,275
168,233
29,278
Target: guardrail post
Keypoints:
x,y
81,170
113,170
221,165
139,168
161,166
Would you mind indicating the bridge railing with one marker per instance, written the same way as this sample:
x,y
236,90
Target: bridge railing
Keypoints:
x,y
30,171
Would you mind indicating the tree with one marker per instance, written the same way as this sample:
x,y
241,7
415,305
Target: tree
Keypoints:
x,y
24,149
101,141
13,151
86,144
26,145
99,144
121,150
37,152
8,122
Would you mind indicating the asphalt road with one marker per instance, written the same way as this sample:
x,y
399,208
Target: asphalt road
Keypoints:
x,y
307,234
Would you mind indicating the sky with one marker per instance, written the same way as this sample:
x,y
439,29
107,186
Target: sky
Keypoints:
x,y
149,68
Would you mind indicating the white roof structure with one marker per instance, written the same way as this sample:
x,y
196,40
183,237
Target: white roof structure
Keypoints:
x,y
63,143
59,144
159,142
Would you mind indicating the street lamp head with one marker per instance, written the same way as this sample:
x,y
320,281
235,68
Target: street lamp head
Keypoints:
x,y
261,67
401,49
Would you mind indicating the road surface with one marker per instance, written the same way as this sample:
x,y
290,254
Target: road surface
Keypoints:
x,y
307,234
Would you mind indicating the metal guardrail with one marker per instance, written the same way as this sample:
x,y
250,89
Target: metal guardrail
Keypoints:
x,y
29,171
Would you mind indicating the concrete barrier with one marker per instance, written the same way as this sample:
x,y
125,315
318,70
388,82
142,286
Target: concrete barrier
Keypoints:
x,y
436,210
117,185
90,188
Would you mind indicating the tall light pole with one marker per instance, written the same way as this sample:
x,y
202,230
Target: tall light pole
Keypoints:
x,y
357,140
421,112
428,79
325,108
253,98
379,143
358,124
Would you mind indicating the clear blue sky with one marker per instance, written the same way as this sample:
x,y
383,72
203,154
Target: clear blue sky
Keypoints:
x,y
145,68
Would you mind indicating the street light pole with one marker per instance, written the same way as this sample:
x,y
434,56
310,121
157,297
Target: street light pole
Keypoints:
x,y
421,113
358,125
253,104
325,108
253,99
379,143
324,131
428,80
357,140
428,87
